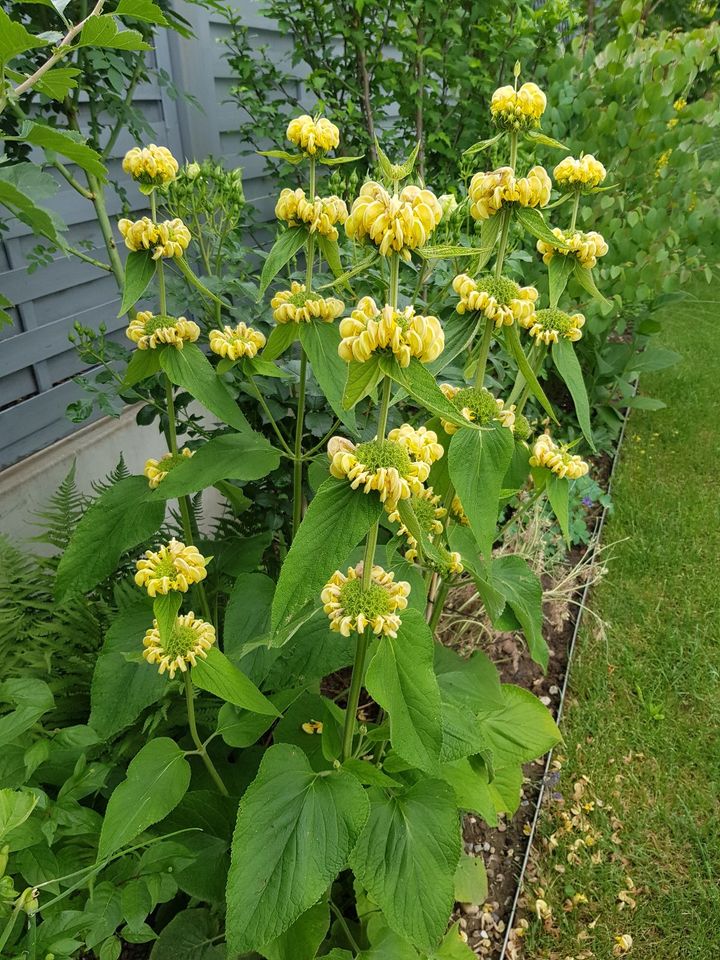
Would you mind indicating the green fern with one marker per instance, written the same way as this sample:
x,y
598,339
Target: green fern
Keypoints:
x,y
62,513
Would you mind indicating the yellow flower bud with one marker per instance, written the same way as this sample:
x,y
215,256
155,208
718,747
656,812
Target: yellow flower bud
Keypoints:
x,y
583,173
518,109
236,342
157,470
549,326
296,305
501,300
313,135
587,247
401,332
151,166
168,239
546,453
489,191
319,215
352,609
149,331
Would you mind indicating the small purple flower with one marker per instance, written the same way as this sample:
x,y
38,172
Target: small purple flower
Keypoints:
x,y
587,501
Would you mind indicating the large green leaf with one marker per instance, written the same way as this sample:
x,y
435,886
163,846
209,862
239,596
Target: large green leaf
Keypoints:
x,y
558,493
336,521
103,31
315,652
144,10
522,590
584,277
247,615
560,270
564,358
188,936
143,364
361,379
67,143
32,698
117,521
25,209
320,341
522,731
157,779
190,368
232,456
284,248
139,270
471,884
281,337
15,807
218,675
15,39
122,688
512,340
406,859
294,833
400,677
473,681
478,461
302,939
534,223
422,386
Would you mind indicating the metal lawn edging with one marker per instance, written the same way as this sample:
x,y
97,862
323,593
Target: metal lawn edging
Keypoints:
x,y
594,549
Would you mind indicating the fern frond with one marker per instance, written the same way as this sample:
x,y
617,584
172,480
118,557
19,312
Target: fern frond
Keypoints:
x,y
62,513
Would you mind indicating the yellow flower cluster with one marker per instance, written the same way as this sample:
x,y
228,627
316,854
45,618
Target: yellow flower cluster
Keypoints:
x,y
312,726
546,453
458,511
405,333
587,247
451,562
172,567
236,342
429,513
296,305
477,405
489,191
352,609
498,298
319,215
313,134
548,326
585,172
152,166
420,443
396,224
149,331
384,466
167,239
157,470
518,109
190,639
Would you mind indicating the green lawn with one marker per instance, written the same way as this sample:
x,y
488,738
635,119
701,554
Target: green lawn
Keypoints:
x,y
643,716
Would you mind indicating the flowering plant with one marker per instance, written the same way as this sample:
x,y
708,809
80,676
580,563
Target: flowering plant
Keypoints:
x,y
250,684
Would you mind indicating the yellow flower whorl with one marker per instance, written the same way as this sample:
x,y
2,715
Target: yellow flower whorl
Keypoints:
x,y
498,298
167,239
190,639
352,609
420,443
313,135
407,334
477,405
518,109
396,224
383,466
236,342
319,215
152,165
149,331
489,191
429,513
585,172
548,326
157,470
297,306
173,567
546,453
587,247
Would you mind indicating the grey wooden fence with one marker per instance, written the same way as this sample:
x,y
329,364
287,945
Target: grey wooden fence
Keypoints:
x,y
37,362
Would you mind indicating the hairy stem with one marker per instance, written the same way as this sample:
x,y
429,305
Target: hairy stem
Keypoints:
x,y
298,464
217,779
576,207
484,353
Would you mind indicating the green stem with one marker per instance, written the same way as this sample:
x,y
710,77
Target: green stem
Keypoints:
x,y
268,413
521,390
217,779
116,264
438,604
484,352
298,465
513,150
393,282
183,502
576,207
5,935
346,930
504,230
356,683
87,258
